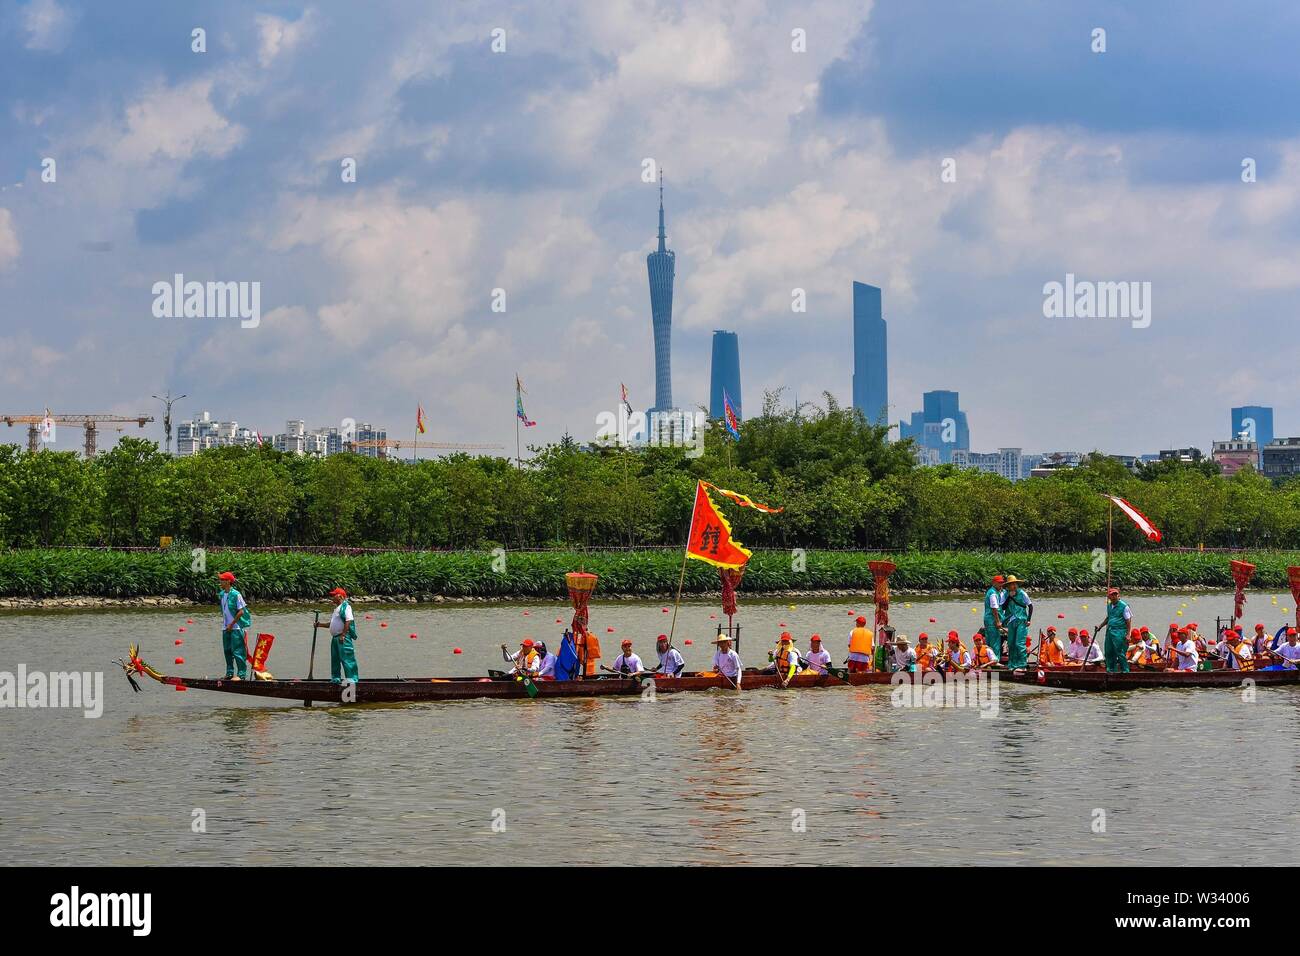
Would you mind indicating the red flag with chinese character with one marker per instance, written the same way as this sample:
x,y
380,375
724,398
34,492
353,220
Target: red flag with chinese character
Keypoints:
x,y
710,538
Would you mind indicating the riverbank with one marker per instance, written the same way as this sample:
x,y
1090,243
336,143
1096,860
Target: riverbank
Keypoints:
x,y
179,576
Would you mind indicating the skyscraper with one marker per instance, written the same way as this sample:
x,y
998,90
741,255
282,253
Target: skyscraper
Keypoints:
x,y
1256,421
725,373
661,265
940,425
870,360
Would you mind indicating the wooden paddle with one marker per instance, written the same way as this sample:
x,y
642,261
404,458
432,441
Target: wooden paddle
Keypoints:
x,y
311,661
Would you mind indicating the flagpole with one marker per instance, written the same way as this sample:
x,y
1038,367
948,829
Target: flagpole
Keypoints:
x,y
1110,522
681,581
518,463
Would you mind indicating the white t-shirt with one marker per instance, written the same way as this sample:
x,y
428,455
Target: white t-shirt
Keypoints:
x,y
339,622
818,661
1187,658
1234,656
1079,648
547,666
960,658
628,663
900,659
1289,652
671,663
728,663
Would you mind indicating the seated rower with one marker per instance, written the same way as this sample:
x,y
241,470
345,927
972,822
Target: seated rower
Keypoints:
x,y
956,659
901,655
726,661
1135,647
1259,644
1172,640
818,659
982,656
1235,652
1086,647
1186,656
525,659
1051,653
545,661
927,655
1148,651
1289,653
671,662
784,659
627,662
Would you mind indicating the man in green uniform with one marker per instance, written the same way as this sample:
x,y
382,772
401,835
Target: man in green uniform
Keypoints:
x,y
343,632
236,619
1118,618
994,629
1018,611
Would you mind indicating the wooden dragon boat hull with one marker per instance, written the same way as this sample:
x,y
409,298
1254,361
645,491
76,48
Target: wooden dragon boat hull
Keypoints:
x,y
1072,678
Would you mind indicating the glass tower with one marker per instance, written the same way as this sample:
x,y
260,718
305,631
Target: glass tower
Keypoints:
x,y
725,373
661,265
870,360
1256,422
940,425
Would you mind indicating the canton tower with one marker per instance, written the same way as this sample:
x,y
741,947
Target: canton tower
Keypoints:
x,y
661,265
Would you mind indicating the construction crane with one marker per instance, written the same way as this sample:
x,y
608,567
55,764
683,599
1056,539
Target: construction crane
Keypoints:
x,y
90,423
397,444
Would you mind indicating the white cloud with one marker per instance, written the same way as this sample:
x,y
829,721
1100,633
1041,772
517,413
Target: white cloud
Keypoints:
x,y
278,36
48,25
172,123
9,244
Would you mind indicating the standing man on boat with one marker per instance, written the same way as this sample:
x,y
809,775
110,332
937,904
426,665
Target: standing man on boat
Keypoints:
x,y
726,661
1018,611
236,619
861,646
994,627
343,632
671,662
1118,619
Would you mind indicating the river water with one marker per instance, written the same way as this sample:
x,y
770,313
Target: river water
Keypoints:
x,y
833,775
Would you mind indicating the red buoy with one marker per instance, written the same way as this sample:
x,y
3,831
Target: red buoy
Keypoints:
x,y
413,637
181,630
189,620
931,620
180,660
688,643
609,630
383,623
179,642
455,650
1061,617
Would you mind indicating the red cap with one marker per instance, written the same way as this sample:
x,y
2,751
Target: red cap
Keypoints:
x,y
1051,629
1259,627
338,592
226,576
785,636
1073,630
815,637
1083,632
626,643
979,635
1290,632
998,579
923,636
1114,591
662,637
862,621
528,642
954,636
1135,633
1144,629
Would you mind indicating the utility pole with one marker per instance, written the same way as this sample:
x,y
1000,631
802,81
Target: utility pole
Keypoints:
x,y
167,416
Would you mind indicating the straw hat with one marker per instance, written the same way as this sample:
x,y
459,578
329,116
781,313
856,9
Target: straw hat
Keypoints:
x,y
720,638
1012,579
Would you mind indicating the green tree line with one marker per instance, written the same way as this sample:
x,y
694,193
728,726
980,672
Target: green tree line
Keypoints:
x,y
842,484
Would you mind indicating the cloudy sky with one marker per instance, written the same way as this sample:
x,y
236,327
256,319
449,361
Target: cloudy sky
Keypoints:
x,y
522,170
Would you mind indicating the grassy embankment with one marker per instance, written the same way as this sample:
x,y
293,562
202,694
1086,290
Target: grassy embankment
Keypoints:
x,y
464,574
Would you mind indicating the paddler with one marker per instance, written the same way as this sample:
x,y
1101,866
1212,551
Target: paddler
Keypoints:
x,y
546,661
995,628
955,656
861,646
1118,620
236,619
1018,611
525,659
1050,652
1260,642
343,632
785,660
1172,639
627,662
901,656
983,656
926,653
1289,652
726,661
1185,656
1085,647
818,658
1236,652
671,662
1135,646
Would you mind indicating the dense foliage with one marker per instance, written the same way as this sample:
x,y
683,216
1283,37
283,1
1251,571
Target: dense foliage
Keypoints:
x,y
269,576
842,484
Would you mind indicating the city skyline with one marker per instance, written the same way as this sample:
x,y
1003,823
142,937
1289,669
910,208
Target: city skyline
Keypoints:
x,y
791,171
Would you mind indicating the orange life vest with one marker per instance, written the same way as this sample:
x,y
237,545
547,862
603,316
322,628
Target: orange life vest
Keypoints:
x,y
784,658
592,645
861,641
1051,653
925,657
983,655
